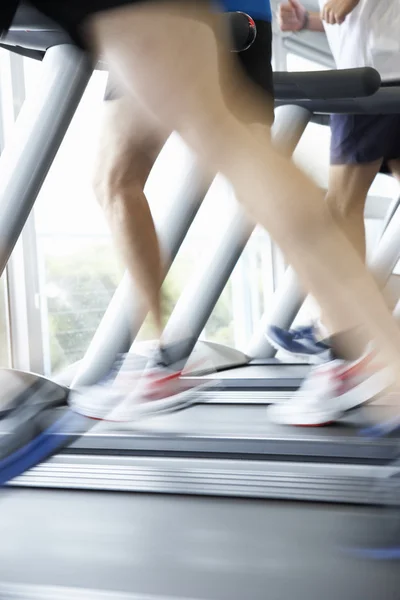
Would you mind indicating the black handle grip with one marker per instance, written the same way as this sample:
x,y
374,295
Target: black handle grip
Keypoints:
x,y
346,83
31,32
27,17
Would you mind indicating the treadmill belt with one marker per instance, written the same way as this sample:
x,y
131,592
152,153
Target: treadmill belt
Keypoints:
x,y
77,545
236,430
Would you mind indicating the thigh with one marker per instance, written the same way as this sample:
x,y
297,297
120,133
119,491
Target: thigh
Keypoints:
x,y
73,15
255,63
174,58
146,43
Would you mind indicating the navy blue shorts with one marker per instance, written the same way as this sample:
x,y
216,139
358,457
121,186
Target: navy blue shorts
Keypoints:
x,y
360,139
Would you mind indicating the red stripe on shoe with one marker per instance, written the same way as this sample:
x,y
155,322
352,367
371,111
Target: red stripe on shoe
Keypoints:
x,y
352,370
155,380
356,368
165,379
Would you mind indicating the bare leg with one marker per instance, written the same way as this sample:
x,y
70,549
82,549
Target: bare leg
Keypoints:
x,y
394,166
347,193
180,83
129,145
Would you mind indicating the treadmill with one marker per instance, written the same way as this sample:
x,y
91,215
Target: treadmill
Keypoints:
x,y
66,536
224,445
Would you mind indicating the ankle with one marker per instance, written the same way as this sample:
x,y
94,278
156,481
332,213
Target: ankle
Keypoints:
x,y
348,345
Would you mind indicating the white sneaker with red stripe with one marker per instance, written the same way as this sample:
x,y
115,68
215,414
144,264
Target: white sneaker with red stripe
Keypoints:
x,y
137,391
331,390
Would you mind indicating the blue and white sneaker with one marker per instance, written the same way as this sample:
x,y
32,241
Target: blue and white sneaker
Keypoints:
x,y
302,342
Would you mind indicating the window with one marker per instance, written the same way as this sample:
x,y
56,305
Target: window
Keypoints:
x,y
78,267
298,63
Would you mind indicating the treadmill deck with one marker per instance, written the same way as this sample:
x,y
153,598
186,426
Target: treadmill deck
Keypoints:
x,y
141,547
221,450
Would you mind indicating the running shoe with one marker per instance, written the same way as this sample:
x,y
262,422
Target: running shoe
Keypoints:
x,y
134,389
302,342
331,390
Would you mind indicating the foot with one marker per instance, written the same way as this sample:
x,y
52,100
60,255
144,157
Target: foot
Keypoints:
x,y
301,343
331,390
137,390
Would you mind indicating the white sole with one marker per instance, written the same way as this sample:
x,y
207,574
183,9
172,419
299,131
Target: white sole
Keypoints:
x,y
355,398
314,419
127,410
367,390
312,359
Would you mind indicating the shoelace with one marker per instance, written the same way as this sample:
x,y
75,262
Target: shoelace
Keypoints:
x,y
303,332
123,363
308,331
169,357
164,358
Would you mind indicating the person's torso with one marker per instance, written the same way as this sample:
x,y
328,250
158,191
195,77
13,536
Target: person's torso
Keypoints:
x,y
369,37
258,9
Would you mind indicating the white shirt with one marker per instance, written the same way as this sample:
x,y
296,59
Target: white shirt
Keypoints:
x,y
369,37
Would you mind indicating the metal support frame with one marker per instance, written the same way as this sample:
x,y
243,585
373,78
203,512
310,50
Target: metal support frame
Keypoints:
x,y
5,290
41,123
198,299
18,296
388,250
22,268
2,133
287,301
39,131
390,214
126,312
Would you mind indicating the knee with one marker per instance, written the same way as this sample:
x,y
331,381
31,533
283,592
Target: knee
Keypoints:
x,y
120,178
343,206
336,205
345,203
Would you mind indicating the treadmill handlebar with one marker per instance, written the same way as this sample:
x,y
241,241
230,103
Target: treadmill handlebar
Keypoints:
x,y
350,90
33,31
329,85
28,18
386,101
